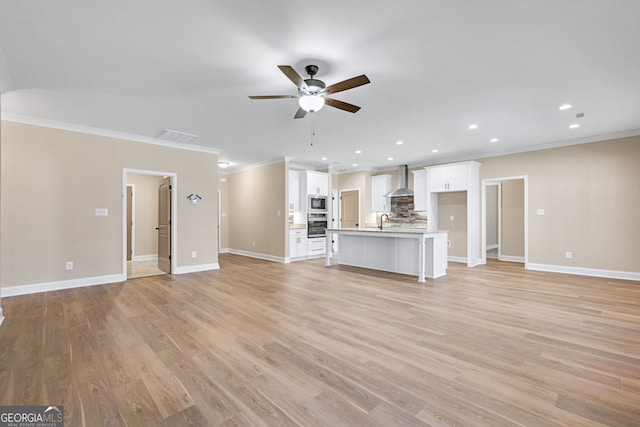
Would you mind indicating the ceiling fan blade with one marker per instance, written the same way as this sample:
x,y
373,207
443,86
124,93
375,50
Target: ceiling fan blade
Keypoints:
x,y
348,84
292,75
341,105
300,114
271,96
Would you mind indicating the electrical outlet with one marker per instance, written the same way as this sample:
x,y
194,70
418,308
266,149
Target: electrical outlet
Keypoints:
x,y
450,217
448,243
254,244
568,255
194,254
69,265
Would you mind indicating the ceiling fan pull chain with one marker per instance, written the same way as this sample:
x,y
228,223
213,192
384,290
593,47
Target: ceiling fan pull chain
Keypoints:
x,y
313,127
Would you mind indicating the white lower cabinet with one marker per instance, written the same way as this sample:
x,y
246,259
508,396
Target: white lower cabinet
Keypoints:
x,y
298,243
316,246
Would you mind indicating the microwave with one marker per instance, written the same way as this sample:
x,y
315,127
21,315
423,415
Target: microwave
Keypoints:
x,y
317,204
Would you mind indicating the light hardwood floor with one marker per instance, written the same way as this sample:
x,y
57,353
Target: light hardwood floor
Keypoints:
x,y
137,269
263,343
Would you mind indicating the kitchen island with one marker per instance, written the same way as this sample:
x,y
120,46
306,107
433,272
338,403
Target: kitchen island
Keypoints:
x,y
413,251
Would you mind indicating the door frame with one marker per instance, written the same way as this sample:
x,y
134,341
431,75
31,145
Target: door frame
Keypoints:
x,y
498,186
133,222
340,205
174,214
483,210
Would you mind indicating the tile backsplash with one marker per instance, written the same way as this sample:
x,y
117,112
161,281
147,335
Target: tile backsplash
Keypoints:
x,y
402,210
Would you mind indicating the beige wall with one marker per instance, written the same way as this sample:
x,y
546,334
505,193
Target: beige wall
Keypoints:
x,y
512,236
454,204
591,200
52,182
255,197
145,193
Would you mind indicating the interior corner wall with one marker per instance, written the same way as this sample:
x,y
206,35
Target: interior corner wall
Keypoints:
x,y
256,196
590,198
52,182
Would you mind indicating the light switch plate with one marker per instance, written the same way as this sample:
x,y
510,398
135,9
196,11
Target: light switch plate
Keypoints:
x,y
540,211
102,212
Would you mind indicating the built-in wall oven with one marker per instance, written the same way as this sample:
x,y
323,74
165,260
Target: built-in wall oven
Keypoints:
x,y
316,224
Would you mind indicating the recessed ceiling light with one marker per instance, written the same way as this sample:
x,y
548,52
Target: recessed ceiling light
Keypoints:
x,y
573,126
223,164
354,165
358,151
324,158
473,126
399,143
564,107
434,151
389,158
493,140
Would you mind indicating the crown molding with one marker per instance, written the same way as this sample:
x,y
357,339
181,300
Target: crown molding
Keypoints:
x,y
529,148
53,124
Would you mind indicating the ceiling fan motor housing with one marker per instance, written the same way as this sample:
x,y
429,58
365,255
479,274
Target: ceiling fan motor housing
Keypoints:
x,y
312,70
314,85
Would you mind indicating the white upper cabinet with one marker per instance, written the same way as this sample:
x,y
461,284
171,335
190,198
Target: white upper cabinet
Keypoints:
x,y
294,190
316,183
419,190
445,178
380,185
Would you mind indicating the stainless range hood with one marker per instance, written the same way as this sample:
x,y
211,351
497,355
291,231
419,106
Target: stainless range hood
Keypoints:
x,y
403,189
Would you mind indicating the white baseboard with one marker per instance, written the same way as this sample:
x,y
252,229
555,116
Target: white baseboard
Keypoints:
x,y
492,256
258,255
197,268
612,274
223,251
12,291
1,316
151,257
461,259
494,246
511,258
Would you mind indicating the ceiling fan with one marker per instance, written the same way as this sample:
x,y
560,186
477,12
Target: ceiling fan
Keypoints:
x,y
312,93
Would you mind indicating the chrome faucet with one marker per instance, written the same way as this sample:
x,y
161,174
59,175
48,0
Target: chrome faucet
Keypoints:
x,y
381,219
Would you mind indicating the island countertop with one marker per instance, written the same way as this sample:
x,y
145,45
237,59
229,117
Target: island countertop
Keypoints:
x,y
405,250
390,229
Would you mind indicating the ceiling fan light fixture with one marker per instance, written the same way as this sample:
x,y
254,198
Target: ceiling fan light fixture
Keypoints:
x,y
311,103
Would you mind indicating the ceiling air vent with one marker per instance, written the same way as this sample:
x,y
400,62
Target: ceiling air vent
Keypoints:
x,y
177,136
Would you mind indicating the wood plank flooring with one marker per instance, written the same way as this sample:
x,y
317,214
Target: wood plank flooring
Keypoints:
x,y
259,343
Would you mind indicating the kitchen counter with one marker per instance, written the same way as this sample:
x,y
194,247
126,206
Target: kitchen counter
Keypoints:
x,y
405,250
390,229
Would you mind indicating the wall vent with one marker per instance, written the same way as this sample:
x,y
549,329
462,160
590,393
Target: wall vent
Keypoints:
x,y
177,136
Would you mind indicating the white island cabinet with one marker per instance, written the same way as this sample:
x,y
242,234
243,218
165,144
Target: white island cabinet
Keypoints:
x,y
400,250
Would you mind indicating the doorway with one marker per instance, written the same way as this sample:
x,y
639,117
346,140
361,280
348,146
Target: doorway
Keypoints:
x,y
148,212
505,219
349,208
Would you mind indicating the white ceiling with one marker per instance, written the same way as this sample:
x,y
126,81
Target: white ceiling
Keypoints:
x,y
435,67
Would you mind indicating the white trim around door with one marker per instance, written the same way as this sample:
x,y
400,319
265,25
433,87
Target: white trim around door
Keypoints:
x,y
174,215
